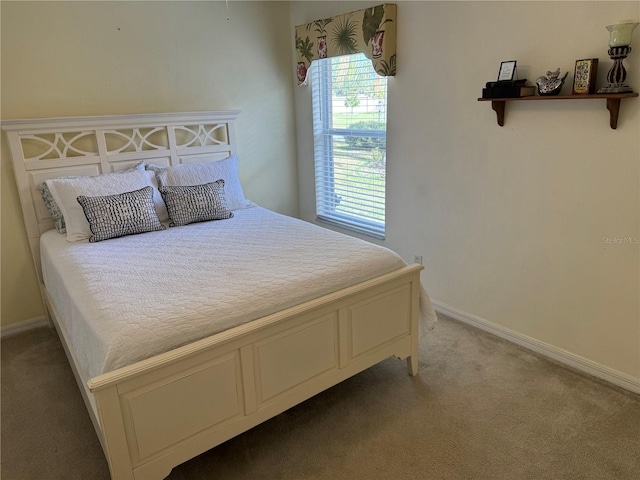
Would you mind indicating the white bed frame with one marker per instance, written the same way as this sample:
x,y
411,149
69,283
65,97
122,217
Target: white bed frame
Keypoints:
x,y
160,412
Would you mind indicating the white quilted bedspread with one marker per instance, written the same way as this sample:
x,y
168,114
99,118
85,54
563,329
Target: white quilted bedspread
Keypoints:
x,y
126,299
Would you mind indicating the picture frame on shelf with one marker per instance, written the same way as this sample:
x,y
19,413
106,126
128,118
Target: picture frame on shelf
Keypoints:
x,y
507,71
584,76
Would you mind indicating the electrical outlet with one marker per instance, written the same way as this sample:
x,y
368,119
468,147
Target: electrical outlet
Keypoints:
x,y
417,259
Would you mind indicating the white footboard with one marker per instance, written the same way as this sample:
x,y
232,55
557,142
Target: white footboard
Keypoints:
x,y
160,412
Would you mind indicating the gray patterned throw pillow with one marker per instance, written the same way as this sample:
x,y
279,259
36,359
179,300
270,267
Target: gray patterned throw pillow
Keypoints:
x,y
52,208
196,203
112,216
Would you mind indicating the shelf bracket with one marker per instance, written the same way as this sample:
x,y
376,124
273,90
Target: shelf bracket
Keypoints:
x,y
498,107
613,105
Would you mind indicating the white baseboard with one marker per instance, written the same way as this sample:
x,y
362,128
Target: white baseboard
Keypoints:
x,y
572,360
19,327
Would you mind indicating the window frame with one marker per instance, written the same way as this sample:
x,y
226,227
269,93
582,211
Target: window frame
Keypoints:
x,y
324,134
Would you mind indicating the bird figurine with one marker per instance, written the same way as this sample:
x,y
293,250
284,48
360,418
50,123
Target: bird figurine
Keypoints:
x,y
551,84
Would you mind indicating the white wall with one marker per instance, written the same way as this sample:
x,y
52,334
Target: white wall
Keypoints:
x,y
510,221
118,57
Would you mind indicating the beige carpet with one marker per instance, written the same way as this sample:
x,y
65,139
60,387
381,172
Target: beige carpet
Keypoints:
x,y
481,408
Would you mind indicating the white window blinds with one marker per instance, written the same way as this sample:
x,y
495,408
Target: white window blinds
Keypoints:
x,y
350,122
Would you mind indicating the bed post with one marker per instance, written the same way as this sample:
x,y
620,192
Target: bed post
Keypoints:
x,y
412,359
114,439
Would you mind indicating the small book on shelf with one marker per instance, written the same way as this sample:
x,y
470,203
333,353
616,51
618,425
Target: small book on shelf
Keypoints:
x,y
507,83
508,92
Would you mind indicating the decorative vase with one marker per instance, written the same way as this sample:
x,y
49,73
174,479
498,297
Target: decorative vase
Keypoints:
x,y
619,41
322,46
376,44
301,72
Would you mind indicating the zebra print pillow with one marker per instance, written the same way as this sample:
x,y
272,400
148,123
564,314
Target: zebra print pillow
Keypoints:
x,y
196,203
113,216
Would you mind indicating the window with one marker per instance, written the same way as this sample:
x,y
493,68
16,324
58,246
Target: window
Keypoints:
x,y
350,143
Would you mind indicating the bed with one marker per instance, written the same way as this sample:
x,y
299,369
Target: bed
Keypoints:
x,y
181,338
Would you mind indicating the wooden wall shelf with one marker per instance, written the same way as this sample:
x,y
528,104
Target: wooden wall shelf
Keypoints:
x,y
613,103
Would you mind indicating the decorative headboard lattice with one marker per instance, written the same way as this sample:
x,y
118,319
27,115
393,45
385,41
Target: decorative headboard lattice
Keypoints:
x,y
54,147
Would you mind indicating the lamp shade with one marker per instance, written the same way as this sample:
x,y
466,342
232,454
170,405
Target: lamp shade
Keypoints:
x,y
620,33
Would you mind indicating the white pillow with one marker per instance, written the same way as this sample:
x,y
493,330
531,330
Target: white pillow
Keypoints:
x,y
52,206
189,174
66,191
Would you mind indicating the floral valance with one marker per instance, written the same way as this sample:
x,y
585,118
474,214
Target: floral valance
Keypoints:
x,y
371,31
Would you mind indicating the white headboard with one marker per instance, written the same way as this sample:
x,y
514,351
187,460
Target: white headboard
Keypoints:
x,y
54,147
